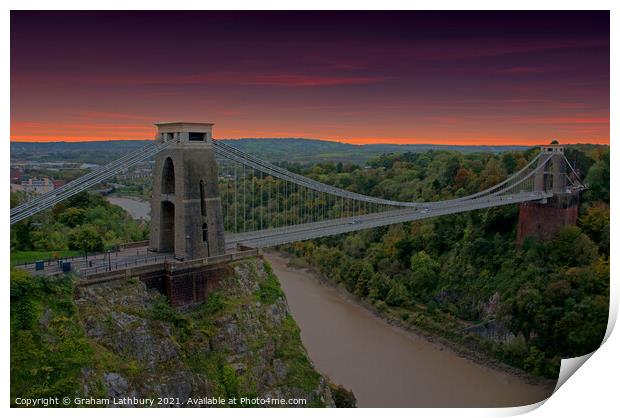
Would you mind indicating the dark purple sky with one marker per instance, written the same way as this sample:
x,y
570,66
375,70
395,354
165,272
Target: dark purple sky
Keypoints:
x,y
406,77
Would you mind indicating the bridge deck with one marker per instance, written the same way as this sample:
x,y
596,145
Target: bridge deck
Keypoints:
x,y
140,256
284,235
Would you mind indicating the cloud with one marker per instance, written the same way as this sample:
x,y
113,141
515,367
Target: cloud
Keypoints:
x,y
239,78
526,70
569,120
115,116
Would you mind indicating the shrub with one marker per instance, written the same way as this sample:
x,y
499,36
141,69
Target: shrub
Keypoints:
x,y
269,290
214,303
343,398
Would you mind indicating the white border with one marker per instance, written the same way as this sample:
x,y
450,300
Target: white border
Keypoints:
x,y
593,389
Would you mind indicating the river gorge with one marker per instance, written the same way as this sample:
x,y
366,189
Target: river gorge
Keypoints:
x,y
383,365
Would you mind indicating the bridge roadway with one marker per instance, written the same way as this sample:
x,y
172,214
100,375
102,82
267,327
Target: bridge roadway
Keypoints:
x,y
288,234
140,256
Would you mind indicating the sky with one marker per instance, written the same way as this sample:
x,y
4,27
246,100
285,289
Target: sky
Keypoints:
x,y
463,78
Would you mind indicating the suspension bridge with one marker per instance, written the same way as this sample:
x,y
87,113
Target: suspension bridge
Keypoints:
x,y
211,199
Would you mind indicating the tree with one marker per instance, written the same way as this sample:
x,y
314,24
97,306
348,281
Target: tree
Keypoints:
x,y
354,245
397,295
580,161
598,182
462,178
423,274
378,287
509,162
72,217
572,248
85,200
524,310
22,235
492,174
366,275
450,169
86,238
595,223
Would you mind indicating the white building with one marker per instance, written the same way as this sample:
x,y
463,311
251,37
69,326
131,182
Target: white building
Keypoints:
x,y
38,186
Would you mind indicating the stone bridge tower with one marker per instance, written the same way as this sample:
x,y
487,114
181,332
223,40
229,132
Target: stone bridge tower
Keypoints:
x,y
543,220
551,175
186,211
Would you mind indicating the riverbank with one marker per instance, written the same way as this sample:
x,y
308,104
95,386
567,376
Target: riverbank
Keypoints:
x,y
486,369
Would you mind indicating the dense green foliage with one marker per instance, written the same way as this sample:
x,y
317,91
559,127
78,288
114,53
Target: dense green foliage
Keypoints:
x,y
48,345
446,273
84,222
269,290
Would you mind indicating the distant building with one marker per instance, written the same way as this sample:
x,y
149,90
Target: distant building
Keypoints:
x,y
140,171
16,175
34,185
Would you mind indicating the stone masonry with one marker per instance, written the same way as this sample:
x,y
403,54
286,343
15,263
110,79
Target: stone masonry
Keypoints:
x,y
186,211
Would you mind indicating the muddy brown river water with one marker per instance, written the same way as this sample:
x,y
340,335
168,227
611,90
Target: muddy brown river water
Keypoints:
x,y
384,365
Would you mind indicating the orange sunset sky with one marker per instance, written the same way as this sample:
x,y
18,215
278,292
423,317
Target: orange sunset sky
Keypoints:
x,y
460,78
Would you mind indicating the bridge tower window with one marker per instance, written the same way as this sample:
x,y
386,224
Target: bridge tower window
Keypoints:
x,y
196,136
203,209
205,237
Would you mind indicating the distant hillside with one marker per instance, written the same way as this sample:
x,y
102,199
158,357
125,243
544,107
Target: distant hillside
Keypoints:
x,y
304,150
273,149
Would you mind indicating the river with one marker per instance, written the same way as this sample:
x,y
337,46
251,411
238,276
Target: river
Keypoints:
x,y
386,366
136,207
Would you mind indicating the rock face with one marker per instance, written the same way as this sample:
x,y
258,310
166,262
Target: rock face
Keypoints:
x,y
241,344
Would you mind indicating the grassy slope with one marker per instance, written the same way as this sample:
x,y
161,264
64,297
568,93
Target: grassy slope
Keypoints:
x,y
21,257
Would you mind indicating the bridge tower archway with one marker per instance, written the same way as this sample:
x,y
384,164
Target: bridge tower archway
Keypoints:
x,y
166,226
186,210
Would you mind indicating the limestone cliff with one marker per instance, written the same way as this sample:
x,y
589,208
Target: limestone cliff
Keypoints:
x,y
241,343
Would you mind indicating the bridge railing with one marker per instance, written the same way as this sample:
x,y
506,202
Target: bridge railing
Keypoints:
x,y
122,265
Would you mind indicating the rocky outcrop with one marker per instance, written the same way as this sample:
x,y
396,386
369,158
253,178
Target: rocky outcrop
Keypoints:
x,y
241,343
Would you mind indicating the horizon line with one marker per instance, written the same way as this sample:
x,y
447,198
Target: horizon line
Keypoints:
x,y
326,140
